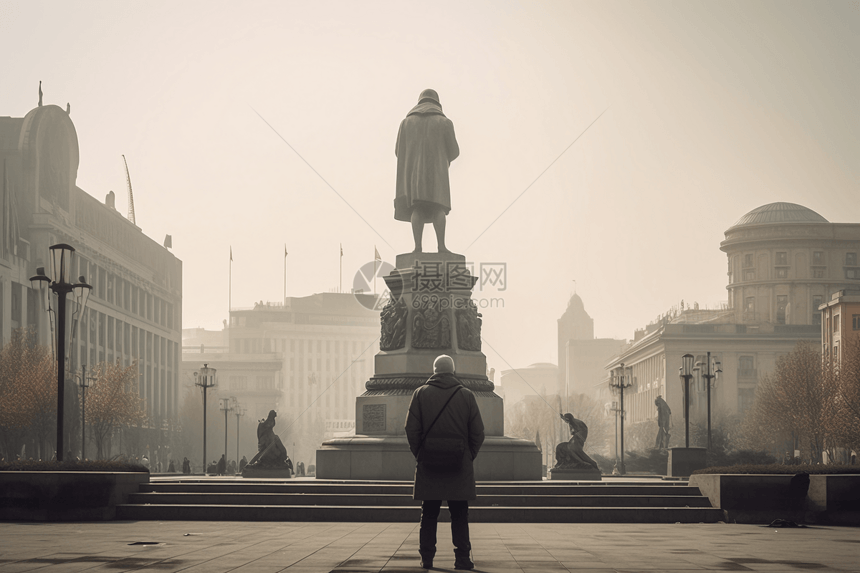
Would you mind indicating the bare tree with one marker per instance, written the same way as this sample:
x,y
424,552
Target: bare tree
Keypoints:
x,y
28,393
113,402
842,408
790,404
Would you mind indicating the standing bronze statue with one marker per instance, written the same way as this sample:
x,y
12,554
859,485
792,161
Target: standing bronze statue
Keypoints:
x,y
570,455
425,148
664,422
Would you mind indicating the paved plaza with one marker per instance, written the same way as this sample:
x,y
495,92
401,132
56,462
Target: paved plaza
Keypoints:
x,y
193,546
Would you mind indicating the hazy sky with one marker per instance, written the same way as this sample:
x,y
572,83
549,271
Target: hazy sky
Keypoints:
x,y
712,109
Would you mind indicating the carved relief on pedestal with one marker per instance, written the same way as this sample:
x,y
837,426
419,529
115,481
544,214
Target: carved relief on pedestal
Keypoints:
x,y
431,328
393,319
468,328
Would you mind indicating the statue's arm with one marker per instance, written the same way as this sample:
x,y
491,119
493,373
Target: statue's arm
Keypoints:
x,y
397,143
451,142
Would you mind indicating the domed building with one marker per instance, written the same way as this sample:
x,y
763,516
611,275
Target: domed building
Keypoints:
x,y
785,260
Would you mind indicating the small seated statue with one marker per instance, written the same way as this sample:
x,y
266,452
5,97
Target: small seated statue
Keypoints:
x,y
570,455
271,453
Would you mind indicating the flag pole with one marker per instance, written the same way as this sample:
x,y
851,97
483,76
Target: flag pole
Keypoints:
x,y
285,275
375,255
340,276
230,289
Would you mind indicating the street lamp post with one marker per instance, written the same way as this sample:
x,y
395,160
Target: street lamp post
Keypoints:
x,y
62,262
85,383
709,371
226,406
686,372
240,411
621,378
205,379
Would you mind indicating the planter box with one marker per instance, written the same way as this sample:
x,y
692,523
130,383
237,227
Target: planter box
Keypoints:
x,y
761,498
684,461
65,496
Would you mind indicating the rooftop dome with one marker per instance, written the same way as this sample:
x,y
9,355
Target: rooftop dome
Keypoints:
x,y
780,213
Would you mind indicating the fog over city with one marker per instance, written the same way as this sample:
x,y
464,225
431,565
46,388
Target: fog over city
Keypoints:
x,y
255,126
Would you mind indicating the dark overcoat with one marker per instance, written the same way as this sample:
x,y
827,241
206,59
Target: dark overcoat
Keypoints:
x,y
462,417
425,147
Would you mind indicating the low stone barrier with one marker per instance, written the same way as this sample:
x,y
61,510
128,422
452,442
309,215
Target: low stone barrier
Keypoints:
x,y
65,496
762,498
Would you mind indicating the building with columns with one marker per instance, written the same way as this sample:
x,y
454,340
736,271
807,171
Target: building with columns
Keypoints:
x,y
840,322
784,261
307,358
134,311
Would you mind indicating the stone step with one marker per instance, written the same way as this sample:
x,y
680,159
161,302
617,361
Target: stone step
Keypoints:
x,y
602,499
412,514
405,488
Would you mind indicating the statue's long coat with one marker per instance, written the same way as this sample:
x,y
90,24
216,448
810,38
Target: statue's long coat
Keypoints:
x,y
462,417
425,147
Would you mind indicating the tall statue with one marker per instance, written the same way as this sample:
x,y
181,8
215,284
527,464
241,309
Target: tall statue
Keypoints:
x,y
425,148
271,453
664,422
570,455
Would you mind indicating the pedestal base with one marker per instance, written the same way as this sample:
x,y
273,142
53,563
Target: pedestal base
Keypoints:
x,y
265,473
684,461
575,474
389,458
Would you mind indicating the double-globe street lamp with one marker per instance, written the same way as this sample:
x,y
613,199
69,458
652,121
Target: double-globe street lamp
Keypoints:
x,y
205,379
62,262
686,373
226,405
621,378
240,411
709,372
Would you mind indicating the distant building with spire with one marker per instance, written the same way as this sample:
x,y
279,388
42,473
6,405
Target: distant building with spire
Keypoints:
x,y
581,357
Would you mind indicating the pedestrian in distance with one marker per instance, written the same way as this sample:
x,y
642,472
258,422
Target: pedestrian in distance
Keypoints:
x,y
445,432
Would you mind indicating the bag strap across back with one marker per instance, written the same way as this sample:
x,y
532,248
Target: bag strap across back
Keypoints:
x,y
437,415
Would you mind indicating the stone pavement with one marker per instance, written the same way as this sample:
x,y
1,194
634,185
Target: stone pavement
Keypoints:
x,y
193,546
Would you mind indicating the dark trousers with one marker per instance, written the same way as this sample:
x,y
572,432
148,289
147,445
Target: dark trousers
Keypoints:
x,y
459,527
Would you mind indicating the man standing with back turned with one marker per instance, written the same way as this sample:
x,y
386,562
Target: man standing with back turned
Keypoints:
x,y
445,432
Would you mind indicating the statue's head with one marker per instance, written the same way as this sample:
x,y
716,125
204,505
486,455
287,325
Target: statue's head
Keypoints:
x,y
568,418
272,414
443,363
429,94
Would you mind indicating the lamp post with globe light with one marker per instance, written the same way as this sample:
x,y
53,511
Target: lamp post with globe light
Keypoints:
x,y
205,379
62,263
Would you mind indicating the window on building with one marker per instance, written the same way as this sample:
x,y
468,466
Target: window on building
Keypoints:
x,y
746,366
781,304
818,273
750,304
852,274
855,321
782,258
749,275
835,323
818,257
746,396
850,259
817,301
748,261
835,352
782,273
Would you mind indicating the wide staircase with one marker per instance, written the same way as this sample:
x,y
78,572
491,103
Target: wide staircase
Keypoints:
x,y
229,499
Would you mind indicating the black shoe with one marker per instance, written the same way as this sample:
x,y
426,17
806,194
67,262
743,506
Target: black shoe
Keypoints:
x,y
464,563
427,564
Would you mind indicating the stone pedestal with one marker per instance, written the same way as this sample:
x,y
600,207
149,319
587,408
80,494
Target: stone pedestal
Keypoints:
x,y
430,312
575,474
684,461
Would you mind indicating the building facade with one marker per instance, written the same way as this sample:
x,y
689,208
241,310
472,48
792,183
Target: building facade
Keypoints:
x,y
134,313
581,357
784,261
308,359
840,321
